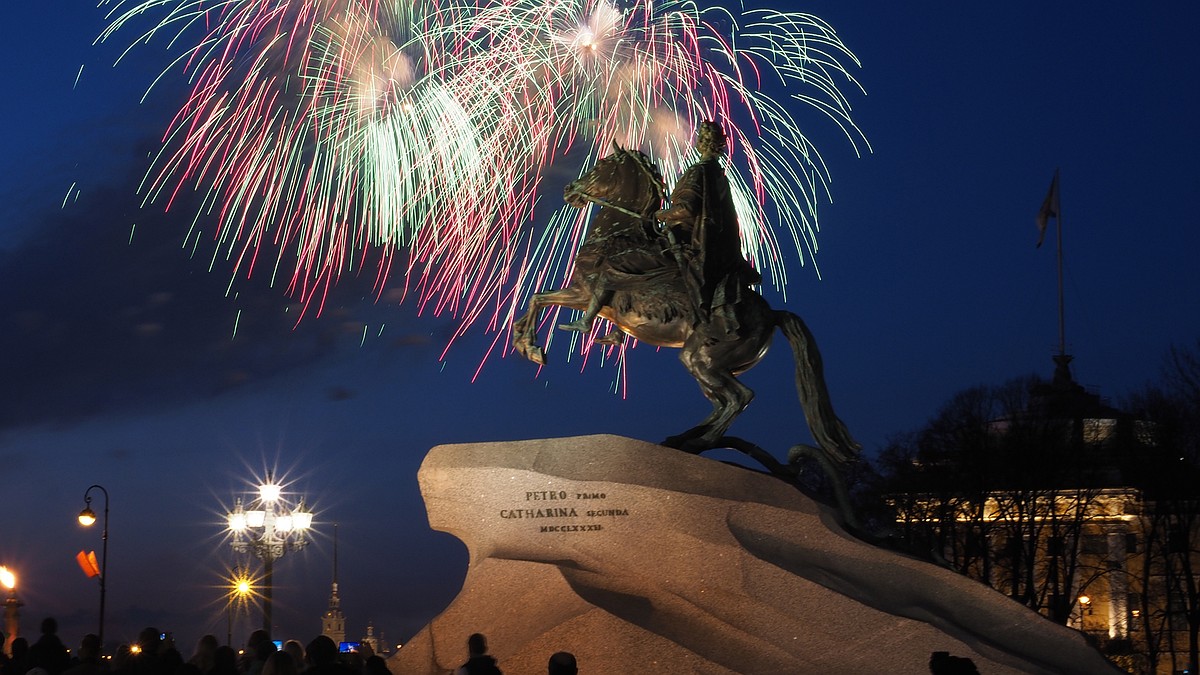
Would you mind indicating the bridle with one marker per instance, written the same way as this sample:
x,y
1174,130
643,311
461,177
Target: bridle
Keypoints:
x,y
655,181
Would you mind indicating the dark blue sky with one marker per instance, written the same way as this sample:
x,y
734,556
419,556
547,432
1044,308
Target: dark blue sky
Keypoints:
x,y
120,366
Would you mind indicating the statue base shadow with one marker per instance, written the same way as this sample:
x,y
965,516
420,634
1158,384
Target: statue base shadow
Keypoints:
x,y
638,558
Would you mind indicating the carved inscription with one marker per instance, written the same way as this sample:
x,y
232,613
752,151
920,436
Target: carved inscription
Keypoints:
x,y
564,511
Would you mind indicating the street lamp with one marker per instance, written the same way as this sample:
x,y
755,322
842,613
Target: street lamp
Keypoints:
x,y
87,518
240,589
268,529
12,618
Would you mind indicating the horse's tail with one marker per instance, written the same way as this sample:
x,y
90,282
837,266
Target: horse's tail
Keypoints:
x,y
829,432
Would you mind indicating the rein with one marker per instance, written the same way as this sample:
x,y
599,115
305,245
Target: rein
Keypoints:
x,y
654,182
607,204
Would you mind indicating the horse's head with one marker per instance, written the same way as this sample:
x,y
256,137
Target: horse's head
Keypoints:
x,y
625,179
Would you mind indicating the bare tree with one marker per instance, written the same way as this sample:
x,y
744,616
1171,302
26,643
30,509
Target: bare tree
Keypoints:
x,y
1170,597
1002,486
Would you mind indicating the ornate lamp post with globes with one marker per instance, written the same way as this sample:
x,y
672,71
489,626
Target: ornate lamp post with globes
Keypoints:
x,y
267,527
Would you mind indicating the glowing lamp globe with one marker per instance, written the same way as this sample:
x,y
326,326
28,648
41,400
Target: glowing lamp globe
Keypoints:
x,y
301,519
269,492
87,516
237,521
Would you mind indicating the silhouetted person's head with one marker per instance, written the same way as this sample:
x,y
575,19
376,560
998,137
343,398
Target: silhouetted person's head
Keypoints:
x,y
148,641
296,650
257,638
477,644
563,663
280,663
49,626
20,648
942,663
121,658
89,647
321,651
224,660
207,643
375,665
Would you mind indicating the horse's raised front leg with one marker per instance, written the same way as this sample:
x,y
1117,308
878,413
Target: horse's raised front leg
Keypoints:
x,y
525,335
525,328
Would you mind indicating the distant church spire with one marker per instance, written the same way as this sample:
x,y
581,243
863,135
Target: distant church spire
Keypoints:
x,y
333,622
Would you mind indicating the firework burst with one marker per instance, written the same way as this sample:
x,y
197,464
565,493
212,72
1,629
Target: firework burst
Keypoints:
x,y
322,134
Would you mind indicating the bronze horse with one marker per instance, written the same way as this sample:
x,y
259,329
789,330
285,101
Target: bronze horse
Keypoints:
x,y
625,262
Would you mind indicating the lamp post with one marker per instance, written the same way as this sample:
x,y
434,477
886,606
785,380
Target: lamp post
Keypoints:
x,y
12,618
87,518
240,589
267,529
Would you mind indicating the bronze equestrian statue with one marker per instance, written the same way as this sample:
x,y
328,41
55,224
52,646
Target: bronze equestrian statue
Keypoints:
x,y
685,285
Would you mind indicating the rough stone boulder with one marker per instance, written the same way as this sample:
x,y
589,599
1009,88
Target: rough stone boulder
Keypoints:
x,y
641,559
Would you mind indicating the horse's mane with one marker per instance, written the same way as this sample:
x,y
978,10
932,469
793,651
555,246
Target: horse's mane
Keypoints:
x,y
647,165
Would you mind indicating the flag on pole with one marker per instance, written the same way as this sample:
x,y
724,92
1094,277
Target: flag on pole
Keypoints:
x,y
1049,209
87,563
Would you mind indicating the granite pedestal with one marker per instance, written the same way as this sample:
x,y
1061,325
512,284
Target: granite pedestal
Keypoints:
x,y
641,559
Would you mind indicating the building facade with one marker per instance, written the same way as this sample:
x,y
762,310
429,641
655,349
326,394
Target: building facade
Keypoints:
x,y
1068,506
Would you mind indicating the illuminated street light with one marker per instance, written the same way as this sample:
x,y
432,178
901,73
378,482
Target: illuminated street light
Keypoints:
x,y
240,590
87,517
12,618
1085,604
267,529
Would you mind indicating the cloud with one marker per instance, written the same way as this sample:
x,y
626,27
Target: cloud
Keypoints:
x,y
94,320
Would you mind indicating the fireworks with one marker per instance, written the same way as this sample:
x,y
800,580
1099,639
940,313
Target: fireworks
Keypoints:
x,y
323,134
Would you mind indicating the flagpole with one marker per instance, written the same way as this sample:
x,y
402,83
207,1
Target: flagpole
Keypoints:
x,y
1052,208
1062,362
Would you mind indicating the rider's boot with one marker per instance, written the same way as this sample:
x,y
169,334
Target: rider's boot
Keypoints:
x,y
584,323
615,337
599,298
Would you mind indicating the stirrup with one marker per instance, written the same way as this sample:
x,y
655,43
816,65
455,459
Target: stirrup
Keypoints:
x,y
579,326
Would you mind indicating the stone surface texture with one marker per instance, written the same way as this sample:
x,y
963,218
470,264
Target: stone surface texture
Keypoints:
x,y
641,559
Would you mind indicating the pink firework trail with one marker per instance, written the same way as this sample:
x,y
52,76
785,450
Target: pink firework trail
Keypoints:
x,y
327,137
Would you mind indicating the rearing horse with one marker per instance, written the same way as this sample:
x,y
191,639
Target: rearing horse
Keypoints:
x,y
622,263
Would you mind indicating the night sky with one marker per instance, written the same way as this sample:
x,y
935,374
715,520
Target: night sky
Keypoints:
x,y
121,365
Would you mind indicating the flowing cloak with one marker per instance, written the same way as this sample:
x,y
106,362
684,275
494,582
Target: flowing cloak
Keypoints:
x,y
703,214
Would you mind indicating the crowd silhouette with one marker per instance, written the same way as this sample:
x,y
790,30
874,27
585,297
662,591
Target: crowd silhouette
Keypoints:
x,y
155,653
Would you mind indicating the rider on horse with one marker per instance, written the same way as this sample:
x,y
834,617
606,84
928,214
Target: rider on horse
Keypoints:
x,y
703,225
693,294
